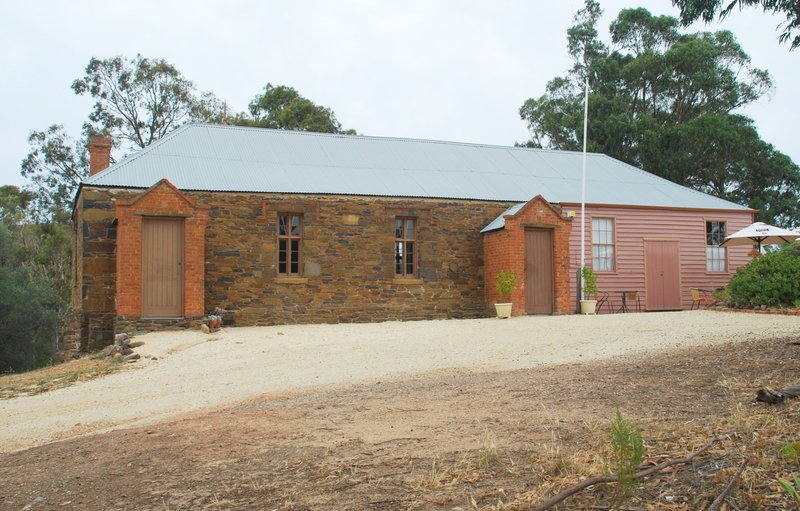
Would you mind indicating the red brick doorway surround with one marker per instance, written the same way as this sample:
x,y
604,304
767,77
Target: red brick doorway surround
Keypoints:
x,y
162,199
504,249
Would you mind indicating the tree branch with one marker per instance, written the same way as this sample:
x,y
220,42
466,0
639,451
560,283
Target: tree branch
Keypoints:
x,y
717,504
639,475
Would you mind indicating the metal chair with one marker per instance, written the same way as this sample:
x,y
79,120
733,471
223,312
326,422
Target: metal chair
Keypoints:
x,y
701,296
603,299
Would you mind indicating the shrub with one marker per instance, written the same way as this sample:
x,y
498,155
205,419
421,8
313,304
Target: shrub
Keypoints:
x,y
770,279
589,282
627,452
506,281
29,312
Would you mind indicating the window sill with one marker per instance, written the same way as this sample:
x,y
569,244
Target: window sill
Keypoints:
x,y
291,280
408,282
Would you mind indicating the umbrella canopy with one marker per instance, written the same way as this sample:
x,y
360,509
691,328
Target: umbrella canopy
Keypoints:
x,y
760,233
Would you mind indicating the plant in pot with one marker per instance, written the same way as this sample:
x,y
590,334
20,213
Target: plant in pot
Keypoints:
x,y
589,289
506,281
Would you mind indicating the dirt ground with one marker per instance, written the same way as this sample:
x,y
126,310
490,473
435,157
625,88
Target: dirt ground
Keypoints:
x,y
454,440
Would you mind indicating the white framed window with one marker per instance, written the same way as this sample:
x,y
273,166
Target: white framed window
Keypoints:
x,y
603,244
715,255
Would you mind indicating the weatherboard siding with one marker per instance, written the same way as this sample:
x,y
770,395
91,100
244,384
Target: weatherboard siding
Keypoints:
x,y
635,225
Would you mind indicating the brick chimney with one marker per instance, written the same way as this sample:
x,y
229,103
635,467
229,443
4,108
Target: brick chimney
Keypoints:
x,y
99,154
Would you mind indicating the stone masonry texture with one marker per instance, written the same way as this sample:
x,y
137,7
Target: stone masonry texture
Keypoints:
x,y
348,258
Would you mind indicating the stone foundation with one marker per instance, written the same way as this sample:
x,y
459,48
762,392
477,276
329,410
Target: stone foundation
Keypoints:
x,y
134,324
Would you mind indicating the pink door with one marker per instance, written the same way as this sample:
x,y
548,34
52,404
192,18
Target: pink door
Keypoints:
x,y
662,263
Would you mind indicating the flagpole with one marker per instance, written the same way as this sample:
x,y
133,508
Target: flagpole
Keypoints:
x,y
583,182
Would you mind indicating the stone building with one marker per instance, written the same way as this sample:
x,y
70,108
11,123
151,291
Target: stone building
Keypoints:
x,y
293,227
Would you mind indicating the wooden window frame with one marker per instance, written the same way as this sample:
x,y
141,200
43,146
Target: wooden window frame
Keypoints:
x,y
405,240
706,221
288,237
613,241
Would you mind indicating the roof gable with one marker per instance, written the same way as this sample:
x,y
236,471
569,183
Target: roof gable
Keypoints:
x,y
236,159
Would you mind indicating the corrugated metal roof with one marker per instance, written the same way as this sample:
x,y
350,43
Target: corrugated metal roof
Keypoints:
x,y
207,157
500,222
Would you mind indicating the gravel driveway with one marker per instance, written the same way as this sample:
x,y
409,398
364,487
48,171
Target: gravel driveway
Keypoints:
x,y
193,371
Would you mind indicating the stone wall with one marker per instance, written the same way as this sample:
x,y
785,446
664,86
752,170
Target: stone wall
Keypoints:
x,y
348,256
94,269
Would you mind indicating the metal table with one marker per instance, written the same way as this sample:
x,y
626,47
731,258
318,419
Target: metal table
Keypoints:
x,y
624,307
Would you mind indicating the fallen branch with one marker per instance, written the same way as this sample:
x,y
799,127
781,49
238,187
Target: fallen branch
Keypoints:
x,y
766,395
717,504
572,490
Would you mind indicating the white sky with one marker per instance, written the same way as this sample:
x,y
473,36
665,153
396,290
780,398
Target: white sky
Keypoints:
x,y
444,70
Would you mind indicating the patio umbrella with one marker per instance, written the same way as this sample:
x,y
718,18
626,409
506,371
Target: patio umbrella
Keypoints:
x,y
760,233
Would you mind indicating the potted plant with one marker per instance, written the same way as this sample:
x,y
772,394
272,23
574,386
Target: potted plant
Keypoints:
x,y
506,281
589,289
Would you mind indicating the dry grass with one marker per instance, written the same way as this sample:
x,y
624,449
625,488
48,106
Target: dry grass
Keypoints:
x,y
56,377
530,434
768,436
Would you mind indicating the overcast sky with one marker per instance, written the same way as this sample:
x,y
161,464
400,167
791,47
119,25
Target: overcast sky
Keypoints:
x,y
443,70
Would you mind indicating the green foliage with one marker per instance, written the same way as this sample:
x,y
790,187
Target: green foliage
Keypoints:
x,y
664,101
692,10
506,282
769,279
790,489
791,452
282,107
589,281
627,453
14,204
55,165
138,101
582,41
29,311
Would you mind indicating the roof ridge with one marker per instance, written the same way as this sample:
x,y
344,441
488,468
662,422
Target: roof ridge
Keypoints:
x,y
376,137
195,155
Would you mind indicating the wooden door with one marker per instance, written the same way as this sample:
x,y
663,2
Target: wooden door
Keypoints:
x,y
662,262
162,267
539,272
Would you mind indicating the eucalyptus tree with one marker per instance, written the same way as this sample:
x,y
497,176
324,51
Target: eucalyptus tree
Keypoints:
x,y
668,103
137,101
707,10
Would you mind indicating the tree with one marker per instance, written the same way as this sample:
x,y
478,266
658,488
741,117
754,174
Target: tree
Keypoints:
x,y
30,312
664,102
13,205
55,166
282,107
138,100
693,10
210,109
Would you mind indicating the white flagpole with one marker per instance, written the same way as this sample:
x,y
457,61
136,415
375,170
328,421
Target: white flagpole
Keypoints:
x,y
583,181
